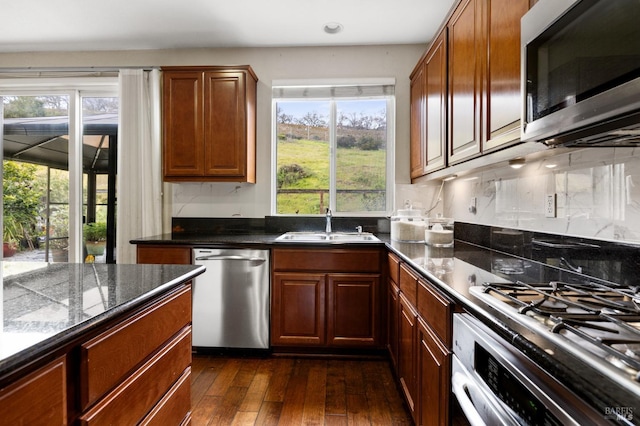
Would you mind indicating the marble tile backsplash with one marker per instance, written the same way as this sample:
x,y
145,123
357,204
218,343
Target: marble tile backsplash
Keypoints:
x,y
597,195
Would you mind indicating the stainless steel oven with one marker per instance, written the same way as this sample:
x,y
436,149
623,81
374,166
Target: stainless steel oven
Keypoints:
x,y
581,72
495,384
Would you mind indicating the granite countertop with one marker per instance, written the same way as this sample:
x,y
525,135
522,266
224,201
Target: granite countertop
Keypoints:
x,y
454,271
46,305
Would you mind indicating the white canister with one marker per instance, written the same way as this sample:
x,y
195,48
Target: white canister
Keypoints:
x,y
439,232
408,226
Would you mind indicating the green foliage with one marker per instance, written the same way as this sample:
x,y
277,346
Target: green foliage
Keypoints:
x,y
368,143
22,195
346,141
24,106
290,174
95,231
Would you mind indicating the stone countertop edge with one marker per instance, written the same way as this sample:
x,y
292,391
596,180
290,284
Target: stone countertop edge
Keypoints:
x,y
44,349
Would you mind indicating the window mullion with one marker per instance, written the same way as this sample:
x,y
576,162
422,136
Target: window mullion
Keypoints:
x,y
332,155
75,178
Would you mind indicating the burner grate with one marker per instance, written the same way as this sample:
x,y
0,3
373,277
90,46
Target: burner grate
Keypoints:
x,y
605,316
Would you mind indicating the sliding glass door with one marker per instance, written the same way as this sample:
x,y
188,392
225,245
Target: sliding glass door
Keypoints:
x,y
59,169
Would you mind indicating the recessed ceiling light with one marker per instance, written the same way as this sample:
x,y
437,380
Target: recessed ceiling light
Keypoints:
x,y
332,27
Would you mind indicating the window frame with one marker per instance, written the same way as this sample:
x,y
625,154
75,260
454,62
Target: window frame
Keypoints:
x,y
390,142
76,89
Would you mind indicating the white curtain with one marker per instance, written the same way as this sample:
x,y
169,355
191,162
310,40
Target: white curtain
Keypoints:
x,y
139,182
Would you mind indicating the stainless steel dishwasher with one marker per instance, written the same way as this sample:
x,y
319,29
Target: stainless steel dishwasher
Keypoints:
x,y
231,299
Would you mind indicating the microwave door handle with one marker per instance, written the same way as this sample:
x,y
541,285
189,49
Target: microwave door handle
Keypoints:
x,y
460,383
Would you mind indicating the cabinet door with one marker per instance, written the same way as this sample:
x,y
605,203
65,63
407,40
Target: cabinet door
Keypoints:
x,y
182,119
352,310
465,66
298,309
37,399
393,310
418,121
433,378
407,353
225,142
501,109
436,104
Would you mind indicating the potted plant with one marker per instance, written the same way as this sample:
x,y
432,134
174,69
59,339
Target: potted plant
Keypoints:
x,y
95,237
11,233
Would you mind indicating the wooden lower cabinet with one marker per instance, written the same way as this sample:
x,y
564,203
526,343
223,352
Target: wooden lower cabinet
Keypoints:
x,y
326,298
393,309
407,344
135,369
352,310
298,309
40,398
163,254
434,370
419,342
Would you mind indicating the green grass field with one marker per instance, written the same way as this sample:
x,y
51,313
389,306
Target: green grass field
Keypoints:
x,y
356,170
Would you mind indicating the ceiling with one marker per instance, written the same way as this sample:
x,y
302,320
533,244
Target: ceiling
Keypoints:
x,y
45,25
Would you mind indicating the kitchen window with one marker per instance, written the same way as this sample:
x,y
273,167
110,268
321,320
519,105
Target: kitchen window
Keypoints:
x,y
333,148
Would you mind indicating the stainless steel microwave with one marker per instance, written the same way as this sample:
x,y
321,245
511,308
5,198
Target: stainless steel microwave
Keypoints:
x,y
581,73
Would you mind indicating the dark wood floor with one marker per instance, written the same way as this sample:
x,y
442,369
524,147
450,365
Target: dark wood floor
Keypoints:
x,y
294,391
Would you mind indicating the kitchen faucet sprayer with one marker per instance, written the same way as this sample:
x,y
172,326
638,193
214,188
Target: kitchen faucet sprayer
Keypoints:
x,y
328,216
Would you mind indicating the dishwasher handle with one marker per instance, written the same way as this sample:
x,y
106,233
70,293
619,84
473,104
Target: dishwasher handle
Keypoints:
x,y
257,260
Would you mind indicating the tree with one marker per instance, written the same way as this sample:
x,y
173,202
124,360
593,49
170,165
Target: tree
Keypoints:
x,y
312,119
21,199
23,106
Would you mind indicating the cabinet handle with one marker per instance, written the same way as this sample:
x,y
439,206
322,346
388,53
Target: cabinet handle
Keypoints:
x,y
227,257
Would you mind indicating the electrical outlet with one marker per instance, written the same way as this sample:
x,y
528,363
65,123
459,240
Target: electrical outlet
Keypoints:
x,y
550,205
473,205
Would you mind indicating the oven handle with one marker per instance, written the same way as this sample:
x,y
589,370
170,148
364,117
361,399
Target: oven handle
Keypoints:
x,y
460,384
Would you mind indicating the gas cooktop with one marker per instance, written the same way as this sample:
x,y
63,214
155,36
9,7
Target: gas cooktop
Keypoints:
x,y
599,323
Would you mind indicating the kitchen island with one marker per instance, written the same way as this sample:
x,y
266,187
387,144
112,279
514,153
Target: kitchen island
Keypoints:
x,y
95,343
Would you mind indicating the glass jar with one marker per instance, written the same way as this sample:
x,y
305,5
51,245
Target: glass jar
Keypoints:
x,y
408,226
439,232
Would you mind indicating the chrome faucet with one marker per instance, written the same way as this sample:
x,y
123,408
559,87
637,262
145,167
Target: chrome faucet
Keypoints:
x,y
328,216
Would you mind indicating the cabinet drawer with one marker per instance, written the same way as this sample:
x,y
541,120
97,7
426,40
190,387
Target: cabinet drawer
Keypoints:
x,y
137,395
408,283
327,260
175,407
394,267
109,357
163,255
37,399
435,309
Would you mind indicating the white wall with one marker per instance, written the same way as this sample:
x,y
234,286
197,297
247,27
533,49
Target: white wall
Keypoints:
x,y
232,199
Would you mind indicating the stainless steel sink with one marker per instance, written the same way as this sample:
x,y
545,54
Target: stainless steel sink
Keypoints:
x,y
328,237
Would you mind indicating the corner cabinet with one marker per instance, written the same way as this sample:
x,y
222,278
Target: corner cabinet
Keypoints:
x,y
326,298
209,124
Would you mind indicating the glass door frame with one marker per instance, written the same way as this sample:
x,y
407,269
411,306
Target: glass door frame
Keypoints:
x,y
75,89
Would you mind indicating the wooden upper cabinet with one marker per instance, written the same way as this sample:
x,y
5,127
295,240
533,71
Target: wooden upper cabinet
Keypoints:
x,y
418,117
465,66
428,110
209,124
501,102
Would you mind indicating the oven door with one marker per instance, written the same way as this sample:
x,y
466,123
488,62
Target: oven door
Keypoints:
x,y
495,384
